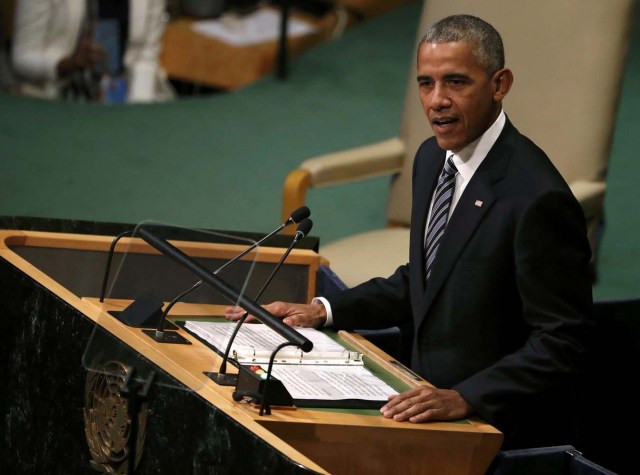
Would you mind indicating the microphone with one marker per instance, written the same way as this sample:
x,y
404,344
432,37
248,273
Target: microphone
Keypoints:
x,y
225,290
221,377
148,310
298,216
303,229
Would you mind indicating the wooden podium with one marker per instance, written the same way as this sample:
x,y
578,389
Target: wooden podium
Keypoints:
x,y
62,414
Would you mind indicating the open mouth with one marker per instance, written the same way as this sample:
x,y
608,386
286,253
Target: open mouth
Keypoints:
x,y
444,121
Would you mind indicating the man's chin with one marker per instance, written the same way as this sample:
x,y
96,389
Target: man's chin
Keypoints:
x,y
449,143
444,144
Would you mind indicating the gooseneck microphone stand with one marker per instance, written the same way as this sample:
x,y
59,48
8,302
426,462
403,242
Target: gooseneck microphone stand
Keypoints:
x,y
221,377
298,216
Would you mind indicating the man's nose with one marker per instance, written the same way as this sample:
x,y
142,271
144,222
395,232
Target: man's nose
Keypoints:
x,y
439,98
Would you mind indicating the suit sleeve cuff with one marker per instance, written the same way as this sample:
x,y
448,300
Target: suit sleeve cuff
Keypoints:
x,y
327,307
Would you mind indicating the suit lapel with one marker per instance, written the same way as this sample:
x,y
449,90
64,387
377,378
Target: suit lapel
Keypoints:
x,y
425,181
431,180
475,202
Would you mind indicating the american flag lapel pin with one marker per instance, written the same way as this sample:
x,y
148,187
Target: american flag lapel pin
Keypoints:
x,y
478,203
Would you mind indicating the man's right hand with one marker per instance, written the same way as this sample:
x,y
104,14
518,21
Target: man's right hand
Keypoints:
x,y
293,314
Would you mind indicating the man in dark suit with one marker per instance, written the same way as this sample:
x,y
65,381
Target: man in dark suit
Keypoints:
x,y
499,293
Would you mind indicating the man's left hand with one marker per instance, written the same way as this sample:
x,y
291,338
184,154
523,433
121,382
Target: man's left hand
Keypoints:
x,y
426,403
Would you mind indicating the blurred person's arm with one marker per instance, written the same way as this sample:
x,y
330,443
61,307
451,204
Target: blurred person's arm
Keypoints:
x,y
47,44
143,51
32,57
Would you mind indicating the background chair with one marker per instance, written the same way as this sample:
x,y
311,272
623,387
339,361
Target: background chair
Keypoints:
x,y
568,61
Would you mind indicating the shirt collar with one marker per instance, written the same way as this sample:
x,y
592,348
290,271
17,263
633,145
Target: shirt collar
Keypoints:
x,y
469,158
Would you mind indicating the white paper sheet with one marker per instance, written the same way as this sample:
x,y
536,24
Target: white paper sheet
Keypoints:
x,y
255,342
321,374
257,27
332,383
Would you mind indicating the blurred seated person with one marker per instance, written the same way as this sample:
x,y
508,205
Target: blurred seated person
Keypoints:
x,y
91,49
7,80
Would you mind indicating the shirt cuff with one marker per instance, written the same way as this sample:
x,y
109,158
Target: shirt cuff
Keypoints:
x,y
327,307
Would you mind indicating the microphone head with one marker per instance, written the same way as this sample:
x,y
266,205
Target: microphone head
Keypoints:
x,y
303,228
298,215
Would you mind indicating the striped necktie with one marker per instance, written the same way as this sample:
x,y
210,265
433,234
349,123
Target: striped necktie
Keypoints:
x,y
439,213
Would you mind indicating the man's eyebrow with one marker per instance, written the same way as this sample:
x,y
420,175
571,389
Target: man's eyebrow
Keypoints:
x,y
458,76
446,77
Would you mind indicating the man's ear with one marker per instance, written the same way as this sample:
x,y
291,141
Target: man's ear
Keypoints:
x,y
502,81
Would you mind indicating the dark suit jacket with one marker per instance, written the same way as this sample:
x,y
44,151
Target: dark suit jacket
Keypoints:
x,y
506,312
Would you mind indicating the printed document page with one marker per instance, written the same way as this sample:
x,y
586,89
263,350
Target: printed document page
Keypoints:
x,y
329,372
332,382
255,342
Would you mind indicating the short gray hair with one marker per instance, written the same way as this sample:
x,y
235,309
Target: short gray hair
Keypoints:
x,y
488,50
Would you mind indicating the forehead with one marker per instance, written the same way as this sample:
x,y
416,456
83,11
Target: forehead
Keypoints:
x,y
455,56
